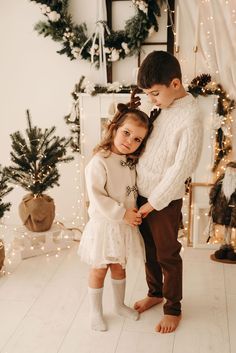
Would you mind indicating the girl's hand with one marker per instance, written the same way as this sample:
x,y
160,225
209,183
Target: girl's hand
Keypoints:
x,y
145,209
133,217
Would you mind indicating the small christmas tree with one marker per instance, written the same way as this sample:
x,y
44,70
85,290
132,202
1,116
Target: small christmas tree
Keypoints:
x,y
4,190
36,157
35,161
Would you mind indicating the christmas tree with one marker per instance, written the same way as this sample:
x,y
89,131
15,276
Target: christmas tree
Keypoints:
x,y
4,190
35,158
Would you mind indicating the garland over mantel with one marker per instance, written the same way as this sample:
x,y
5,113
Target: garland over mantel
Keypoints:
x,y
117,44
200,85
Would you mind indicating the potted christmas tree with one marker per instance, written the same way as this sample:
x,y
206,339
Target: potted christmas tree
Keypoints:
x,y
4,190
35,160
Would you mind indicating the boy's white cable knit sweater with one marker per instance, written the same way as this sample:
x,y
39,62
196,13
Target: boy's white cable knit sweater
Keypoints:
x,y
172,153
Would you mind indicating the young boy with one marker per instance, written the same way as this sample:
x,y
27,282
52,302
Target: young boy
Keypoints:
x,y
170,157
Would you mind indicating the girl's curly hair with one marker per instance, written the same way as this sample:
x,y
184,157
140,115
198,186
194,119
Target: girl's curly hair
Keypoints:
x,y
123,113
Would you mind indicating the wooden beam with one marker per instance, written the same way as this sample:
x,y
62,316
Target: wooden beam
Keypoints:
x,y
109,23
170,34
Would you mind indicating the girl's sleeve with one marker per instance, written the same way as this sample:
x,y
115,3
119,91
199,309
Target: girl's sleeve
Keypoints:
x,y
96,177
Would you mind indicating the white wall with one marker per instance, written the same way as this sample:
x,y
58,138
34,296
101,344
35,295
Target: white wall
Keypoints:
x,y
33,76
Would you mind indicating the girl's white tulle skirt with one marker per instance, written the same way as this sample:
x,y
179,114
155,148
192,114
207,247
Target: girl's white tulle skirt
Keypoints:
x,y
103,243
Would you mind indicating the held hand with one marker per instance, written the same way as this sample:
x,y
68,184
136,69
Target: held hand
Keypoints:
x,y
145,209
133,217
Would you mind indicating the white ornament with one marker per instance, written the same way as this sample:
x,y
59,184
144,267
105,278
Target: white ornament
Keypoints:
x,y
217,122
89,87
53,16
114,56
92,51
125,47
143,6
75,52
115,86
43,9
107,50
226,130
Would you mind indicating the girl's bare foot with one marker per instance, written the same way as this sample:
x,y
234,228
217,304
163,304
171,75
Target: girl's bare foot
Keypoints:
x,y
168,324
147,303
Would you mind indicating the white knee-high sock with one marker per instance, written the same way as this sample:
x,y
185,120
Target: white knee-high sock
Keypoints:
x,y
118,286
96,312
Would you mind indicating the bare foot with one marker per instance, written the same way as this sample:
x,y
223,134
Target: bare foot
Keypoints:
x,y
168,324
147,303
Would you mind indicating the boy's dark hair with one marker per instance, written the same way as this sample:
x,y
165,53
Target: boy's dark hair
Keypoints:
x,y
159,67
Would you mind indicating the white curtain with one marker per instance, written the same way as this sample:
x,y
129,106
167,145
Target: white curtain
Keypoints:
x,y
211,25
217,40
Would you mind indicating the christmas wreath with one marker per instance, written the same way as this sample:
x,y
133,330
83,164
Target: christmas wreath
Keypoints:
x,y
117,44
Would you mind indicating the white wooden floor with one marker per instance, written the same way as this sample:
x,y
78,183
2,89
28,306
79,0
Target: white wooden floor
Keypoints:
x,y
44,309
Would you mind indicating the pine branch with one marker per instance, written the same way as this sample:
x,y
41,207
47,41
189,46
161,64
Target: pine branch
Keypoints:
x,y
35,158
4,190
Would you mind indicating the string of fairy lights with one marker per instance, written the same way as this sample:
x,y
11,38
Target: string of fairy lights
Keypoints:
x,y
20,243
224,122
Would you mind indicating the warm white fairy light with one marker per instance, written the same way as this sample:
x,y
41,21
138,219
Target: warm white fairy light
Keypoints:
x,y
31,242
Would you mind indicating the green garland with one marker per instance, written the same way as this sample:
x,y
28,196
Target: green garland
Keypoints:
x,y
118,44
202,85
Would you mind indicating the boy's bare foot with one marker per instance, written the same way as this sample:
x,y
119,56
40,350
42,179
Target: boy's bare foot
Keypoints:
x,y
147,303
168,324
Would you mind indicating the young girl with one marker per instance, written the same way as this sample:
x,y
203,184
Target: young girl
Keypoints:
x,y
111,236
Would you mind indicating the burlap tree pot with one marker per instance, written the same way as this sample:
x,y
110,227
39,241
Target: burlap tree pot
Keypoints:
x,y
37,212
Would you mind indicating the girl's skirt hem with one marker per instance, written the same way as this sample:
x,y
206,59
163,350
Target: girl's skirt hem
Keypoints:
x,y
105,243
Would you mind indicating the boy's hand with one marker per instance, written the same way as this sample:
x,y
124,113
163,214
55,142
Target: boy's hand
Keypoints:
x,y
145,209
133,217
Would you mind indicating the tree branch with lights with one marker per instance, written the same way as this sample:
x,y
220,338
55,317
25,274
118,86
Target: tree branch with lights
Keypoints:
x,y
4,190
204,86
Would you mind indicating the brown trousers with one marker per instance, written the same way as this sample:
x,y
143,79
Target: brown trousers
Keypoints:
x,y
163,261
